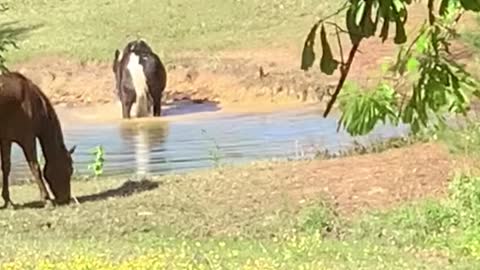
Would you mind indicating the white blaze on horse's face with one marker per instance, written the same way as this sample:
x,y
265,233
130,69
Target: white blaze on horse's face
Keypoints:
x,y
141,107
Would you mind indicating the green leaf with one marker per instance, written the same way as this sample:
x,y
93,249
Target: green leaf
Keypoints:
x,y
398,5
385,28
400,35
376,9
443,7
354,30
368,26
455,82
415,125
385,6
412,65
327,63
422,43
365,109
308,54
471,5
360,12
401,61
407,115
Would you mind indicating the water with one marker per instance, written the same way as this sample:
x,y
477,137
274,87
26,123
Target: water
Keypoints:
x,y
178,145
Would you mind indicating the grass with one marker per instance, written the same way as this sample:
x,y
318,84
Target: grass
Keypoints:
x,y
93,29
373,147
205,221
462,139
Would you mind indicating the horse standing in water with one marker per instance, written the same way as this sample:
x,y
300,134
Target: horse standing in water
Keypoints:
x,y
140,79
27,114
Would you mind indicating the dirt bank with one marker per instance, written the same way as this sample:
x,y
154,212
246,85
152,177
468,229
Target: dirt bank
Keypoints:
x,y
231,79
246,80
357,183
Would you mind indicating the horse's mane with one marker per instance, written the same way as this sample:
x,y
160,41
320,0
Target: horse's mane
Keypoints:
x,y
46,112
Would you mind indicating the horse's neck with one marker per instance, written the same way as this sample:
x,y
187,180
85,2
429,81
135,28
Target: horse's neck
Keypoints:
x,y
51,138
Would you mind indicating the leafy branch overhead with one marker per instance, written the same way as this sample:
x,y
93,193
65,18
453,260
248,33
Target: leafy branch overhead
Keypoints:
x,y
438,83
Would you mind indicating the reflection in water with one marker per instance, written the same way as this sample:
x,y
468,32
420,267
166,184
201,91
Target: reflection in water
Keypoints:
x,y
143,137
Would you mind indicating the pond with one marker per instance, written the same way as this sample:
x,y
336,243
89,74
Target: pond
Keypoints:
x,y
192,136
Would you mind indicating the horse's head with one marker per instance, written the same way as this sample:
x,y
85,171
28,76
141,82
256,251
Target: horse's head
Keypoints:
x,y
58,174
139,46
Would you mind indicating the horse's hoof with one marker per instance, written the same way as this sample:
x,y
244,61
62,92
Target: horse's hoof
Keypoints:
x,y
49,204
9,205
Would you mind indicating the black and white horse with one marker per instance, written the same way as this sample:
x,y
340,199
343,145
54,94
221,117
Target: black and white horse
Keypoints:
x,y
140,79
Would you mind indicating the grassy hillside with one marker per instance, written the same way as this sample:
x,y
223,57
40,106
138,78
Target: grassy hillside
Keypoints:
x,y
92,29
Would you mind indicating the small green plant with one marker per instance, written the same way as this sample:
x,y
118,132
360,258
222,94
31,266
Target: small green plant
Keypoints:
x,y
377,104
98,162
464,140
319,217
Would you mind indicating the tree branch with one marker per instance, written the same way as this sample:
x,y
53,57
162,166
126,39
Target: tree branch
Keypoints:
x,y
342,8
343,77
340,48
431,16
337,27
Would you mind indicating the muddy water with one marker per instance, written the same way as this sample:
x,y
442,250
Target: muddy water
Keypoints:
x,y
192,136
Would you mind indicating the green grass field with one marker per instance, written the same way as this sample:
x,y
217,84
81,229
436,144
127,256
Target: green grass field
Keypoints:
x,y
92,29
216,227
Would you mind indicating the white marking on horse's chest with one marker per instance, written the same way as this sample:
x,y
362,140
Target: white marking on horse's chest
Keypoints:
x,y
120,56
143,102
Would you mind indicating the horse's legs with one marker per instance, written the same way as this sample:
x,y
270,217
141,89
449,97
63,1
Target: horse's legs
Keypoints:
x,y
156,99
155,90
126,108
5,152
30,152
157,108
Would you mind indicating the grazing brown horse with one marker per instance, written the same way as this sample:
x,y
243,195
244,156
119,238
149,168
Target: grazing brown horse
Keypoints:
x,y
27,114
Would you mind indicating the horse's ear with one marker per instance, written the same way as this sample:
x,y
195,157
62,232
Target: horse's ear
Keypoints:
x,y
72,150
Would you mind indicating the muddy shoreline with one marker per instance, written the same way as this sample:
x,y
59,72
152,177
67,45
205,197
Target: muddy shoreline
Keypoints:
x,y
247,83
233,84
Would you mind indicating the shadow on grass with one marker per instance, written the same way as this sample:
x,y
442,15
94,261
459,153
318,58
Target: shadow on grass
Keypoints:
x,y
128,188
